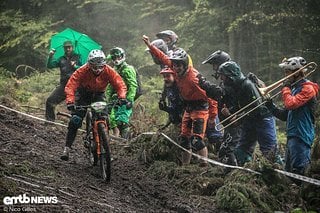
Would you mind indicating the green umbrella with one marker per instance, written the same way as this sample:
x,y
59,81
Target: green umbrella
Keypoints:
x,y
82,43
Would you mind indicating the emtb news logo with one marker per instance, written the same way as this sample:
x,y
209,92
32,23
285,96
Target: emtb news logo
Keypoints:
x,y
24,199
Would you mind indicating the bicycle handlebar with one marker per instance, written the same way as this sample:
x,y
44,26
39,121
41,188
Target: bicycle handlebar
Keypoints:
x,y
108,106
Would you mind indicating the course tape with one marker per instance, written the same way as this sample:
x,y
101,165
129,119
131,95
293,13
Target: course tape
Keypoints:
x,y
292,175
31,116
208,159
289,174
51,122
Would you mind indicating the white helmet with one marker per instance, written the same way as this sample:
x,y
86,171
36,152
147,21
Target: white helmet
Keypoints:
x,y
96,60
293,63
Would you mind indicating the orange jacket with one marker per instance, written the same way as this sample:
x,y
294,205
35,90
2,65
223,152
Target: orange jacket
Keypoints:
x,y
213,108
84,78
188,84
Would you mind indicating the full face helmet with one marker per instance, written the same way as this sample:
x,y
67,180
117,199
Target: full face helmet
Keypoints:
x,y
97,61
216,59
293,63
170,37
117,55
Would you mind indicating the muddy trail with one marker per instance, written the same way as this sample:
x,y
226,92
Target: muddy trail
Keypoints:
x,y
30,163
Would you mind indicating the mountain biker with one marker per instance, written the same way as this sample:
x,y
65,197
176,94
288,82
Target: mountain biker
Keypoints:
x,y
226,104
195,117
88,85
299,111
120,116
67,63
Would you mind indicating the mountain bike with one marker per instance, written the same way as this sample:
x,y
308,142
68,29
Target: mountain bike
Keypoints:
x,y
97,139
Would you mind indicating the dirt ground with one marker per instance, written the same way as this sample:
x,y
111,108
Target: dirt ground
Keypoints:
x,y
30,163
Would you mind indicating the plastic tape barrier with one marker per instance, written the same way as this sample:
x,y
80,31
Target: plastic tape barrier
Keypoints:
x,y
292,175
289,174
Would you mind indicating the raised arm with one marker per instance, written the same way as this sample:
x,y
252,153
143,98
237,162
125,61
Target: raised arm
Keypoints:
x,y
163,58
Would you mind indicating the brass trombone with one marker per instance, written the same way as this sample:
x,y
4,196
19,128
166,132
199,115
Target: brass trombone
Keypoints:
x,y
265,95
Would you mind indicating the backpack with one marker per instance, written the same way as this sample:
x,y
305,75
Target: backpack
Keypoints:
x,y
257,81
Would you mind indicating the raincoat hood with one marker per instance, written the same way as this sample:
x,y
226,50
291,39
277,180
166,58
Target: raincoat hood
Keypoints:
x,y
232,70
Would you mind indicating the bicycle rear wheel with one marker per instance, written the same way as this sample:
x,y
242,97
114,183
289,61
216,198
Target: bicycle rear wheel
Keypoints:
x,y
105,158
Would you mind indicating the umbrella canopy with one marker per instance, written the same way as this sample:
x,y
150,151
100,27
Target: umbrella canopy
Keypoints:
x,y
82,44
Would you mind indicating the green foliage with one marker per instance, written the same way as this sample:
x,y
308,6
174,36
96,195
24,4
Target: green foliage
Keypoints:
x,y
247,192
35,89
146,107
188,179
23,38
6,83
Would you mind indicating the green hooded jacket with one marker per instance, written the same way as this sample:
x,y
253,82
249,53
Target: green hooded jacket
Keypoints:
x,y
245,90
129,77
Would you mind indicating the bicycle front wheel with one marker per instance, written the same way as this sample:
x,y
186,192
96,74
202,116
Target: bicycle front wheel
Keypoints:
x,y
105,158
89,142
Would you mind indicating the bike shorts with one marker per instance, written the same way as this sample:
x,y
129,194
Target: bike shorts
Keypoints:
x,y
194,123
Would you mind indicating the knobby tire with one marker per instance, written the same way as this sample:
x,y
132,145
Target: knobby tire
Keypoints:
x,y
105,158
92,150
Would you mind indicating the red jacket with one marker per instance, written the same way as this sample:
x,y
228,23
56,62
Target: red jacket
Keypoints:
x,y
84,78
188,84
213,108
293,101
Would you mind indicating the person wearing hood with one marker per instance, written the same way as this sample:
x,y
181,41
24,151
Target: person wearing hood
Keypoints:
x,y
226,143
257,126
299,96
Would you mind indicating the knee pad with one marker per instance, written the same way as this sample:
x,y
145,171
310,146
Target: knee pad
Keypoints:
x,y
75,122
185,142
197,143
